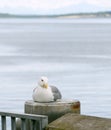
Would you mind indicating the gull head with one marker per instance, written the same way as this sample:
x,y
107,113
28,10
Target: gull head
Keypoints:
x,y
43,82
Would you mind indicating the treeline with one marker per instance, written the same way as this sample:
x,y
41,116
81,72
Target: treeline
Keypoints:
x,y
97,14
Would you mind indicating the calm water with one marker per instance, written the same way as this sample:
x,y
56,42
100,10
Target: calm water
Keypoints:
x,y
74,54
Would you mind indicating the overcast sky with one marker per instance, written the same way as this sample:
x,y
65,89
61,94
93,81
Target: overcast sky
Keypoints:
x,y
53,6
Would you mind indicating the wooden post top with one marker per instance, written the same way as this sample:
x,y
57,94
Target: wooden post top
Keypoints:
x,y
55,103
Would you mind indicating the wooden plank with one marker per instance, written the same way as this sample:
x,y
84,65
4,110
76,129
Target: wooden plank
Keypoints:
x,y
33,125
72,121
3,122
23,124
13,123
27,116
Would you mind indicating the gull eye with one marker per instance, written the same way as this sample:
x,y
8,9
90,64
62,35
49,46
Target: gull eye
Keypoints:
x,y
42,80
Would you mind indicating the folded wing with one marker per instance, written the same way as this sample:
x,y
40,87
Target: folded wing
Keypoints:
x,y
56,93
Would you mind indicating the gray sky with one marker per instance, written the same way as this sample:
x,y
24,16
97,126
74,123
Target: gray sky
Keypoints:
x,y
53,6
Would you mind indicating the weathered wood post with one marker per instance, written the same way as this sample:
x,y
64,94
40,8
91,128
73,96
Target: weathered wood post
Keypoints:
x,y
53,110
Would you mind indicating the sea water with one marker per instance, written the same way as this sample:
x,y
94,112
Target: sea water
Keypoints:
x,y
75,54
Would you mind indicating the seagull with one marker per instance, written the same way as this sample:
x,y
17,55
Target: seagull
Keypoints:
x,y
44,92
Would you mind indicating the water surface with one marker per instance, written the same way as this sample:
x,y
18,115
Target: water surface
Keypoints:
x,y
74,54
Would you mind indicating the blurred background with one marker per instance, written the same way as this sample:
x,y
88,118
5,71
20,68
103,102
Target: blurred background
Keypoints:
x,y
67,41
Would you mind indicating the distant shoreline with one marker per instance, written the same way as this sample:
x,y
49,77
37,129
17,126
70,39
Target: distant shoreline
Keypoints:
x,y
75,16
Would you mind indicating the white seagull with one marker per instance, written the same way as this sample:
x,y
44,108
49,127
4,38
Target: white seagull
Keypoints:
x,y
45,93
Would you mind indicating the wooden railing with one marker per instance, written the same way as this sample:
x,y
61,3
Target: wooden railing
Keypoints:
x,y
25,119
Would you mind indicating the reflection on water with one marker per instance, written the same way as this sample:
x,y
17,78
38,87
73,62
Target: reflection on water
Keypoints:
x,y
74,55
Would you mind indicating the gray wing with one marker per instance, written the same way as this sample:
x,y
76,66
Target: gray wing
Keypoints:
x,y
56,92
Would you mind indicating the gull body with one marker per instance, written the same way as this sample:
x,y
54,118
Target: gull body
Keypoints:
x,y
45,93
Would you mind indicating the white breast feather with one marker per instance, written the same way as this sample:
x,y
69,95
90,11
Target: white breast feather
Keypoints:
x,y
43,95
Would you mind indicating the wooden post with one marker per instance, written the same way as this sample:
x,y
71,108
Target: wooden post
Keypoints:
x,y
53,110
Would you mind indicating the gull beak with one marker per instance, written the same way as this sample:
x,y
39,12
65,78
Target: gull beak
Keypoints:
x,y
45,85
